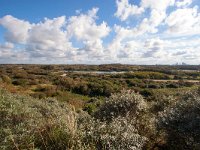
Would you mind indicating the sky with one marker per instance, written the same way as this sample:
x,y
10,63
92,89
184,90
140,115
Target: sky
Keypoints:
x,y
99,31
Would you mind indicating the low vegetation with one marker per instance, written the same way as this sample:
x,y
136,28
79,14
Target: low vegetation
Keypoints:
x,y
124,121
146,108
28,123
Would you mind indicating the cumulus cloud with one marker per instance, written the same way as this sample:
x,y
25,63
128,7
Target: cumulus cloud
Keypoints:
x,y
154,48
183,3
7,45
150,25
190,54
44,39
157,5
181,21
157,15
184,21
125,10
130,50
48,39
17,30
6,50
147,25
51,37
179,53
84,29
8,54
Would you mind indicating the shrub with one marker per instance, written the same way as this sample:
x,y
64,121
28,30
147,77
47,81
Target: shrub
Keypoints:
x,y
120,133
21,75
90,108
64,83
47,91
20,82
121,104
146,93
6,79
81,88
172,85
39,95
181,123
27,123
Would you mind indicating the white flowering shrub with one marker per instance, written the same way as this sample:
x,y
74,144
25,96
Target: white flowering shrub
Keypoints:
x,y
126,103
27,123
181,123
117,134
134,110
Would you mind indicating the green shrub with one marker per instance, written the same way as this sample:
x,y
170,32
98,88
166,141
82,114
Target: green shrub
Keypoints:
x,y
146,93
20,82
64,83
90,108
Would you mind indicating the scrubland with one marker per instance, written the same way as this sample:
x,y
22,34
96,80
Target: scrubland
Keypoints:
x,y
41,109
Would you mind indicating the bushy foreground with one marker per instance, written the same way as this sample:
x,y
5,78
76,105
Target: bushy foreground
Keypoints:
x,y
126,121
27,123
181,123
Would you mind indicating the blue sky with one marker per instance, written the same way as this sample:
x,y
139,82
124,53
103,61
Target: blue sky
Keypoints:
x,y
96,31
36,10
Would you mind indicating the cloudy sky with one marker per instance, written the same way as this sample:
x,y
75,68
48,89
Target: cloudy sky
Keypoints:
x,y
100,31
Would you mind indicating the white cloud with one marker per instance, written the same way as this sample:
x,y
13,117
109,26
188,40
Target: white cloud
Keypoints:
x,y
51,38
48,39
44,39
184,21
17,30
157,15
189,55
8,54
148,25
125,10
183,3
179,53
7,45
160,5
130,50
84,29
154,48
6,50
